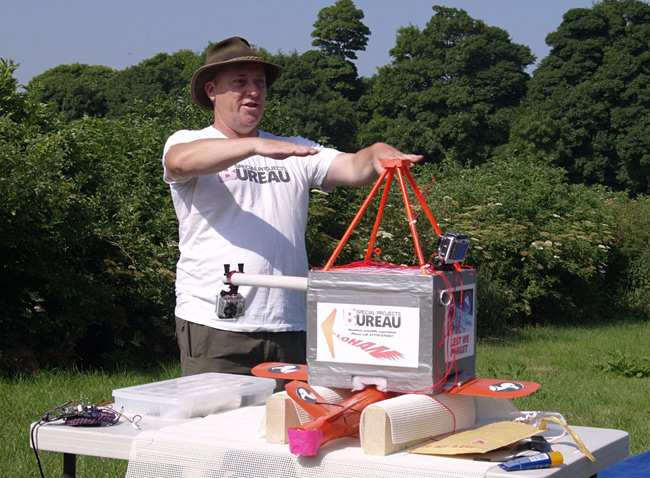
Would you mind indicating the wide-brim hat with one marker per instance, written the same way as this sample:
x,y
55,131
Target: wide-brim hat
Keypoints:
x,y
227,52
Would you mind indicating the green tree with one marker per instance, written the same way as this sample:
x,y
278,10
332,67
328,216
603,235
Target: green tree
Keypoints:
x,y
315,94
75,90
97,91
339,30
588,101
450,90
159,77
12,104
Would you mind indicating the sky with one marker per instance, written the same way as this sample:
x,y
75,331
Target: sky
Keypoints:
x,y
41,34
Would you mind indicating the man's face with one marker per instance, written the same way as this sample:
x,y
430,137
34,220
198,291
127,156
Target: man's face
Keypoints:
x,y
239,96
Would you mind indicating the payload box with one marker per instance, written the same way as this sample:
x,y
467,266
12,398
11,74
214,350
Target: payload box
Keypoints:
x,y
397,328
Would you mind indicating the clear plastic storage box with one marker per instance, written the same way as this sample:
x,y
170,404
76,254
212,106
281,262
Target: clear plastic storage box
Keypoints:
x,y
193,396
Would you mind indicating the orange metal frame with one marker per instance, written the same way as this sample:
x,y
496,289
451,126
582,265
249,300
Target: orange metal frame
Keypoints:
x,y
392,166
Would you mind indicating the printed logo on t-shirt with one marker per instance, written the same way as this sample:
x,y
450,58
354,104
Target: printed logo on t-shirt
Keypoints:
x,y
256,174
227,175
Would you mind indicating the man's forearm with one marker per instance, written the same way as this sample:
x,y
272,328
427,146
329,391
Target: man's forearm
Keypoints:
x,y
206,156
209,156
365,164
362,167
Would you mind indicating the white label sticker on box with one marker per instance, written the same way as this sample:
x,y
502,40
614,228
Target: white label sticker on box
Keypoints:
x,y
368,334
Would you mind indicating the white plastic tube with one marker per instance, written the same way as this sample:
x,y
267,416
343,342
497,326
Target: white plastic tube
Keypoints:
x,y
261,280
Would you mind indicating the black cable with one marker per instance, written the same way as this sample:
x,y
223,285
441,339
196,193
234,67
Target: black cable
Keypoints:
x,y
32,434
46,417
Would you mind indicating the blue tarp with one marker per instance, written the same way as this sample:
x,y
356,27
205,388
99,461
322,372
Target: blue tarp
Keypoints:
x,y
637,466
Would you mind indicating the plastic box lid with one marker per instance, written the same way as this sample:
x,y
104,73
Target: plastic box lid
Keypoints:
x,y
194,396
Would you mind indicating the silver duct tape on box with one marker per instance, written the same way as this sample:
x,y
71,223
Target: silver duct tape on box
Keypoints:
x,y
410,331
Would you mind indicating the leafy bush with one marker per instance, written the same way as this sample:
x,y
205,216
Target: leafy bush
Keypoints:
x,y
629,273
88,239
541,245
45,238
132,219
88,244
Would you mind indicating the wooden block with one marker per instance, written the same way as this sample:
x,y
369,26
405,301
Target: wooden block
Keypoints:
x,y
412,419
281,413
377,434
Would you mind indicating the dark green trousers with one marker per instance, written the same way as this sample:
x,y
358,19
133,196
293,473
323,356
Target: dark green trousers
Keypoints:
x,y
205,349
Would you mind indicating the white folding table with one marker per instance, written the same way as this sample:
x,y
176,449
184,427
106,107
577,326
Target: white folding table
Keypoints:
x,y
215,444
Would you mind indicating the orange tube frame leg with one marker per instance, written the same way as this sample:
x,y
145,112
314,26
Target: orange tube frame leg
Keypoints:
x,y
355,221
380,214
411,219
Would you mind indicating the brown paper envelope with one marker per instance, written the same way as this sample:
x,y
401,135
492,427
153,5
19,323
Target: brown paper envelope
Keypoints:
x,y
480,440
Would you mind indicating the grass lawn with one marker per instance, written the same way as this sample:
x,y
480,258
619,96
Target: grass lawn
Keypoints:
x,y
583,374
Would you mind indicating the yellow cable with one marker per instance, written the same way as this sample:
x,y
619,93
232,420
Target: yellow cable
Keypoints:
x,y
583,448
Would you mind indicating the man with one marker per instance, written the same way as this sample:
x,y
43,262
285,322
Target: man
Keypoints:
x,y
241,196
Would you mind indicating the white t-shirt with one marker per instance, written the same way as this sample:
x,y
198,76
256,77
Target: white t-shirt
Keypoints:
x,y
253,213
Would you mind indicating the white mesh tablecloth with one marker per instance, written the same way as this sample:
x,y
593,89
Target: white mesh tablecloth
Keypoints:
x,y
231,444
